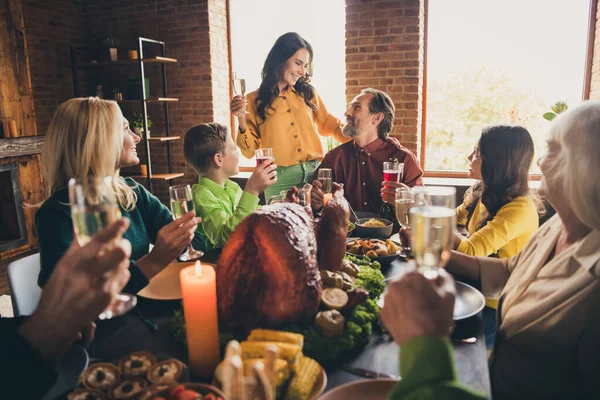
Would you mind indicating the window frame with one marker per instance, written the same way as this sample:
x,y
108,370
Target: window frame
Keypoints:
x,y
585,95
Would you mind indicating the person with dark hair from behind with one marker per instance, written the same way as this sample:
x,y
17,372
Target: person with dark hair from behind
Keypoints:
x,y
286,114
418,316
221,203
81,286
358,164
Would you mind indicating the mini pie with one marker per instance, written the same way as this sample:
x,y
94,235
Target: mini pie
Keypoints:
x,y
154,390
129,389
87,394
165,371
137,364
101,376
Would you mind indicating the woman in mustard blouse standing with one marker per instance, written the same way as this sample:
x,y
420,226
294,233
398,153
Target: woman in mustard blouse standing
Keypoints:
x,y
498,211
286,114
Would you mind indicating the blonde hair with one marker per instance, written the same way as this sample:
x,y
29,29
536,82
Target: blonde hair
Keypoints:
x,y
578,134
85,138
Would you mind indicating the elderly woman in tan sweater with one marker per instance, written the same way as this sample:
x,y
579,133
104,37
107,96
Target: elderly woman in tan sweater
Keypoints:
x,y
548,340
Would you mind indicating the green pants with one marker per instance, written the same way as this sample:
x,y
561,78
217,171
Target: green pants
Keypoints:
x,y
294,175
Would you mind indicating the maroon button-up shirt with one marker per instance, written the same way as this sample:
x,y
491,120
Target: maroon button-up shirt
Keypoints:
x,y
361,170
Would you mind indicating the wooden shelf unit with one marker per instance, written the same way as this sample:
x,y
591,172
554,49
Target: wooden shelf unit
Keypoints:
x,y
163,99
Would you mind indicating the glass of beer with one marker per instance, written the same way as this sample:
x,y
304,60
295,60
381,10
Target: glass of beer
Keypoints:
x,y
262,155
392,171
94,206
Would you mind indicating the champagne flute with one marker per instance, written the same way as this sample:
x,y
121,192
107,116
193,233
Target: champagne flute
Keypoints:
x,y
432,222
264,154
239,87
325,178
404,201
94,206
181,203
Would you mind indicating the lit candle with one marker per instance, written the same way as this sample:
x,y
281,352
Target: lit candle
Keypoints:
x,y
199,292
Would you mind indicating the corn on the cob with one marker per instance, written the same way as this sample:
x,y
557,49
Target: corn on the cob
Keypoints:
x,y
289,352
268,335
302,385
281,368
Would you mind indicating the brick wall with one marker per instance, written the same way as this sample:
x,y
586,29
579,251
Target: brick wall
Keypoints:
x,y
51,28
595,83
199,79
384,50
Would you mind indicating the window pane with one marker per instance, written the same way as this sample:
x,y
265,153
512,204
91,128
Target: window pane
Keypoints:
x,y
491,62
255,25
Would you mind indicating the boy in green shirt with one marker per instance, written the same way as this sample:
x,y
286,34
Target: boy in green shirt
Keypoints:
x,y
221,203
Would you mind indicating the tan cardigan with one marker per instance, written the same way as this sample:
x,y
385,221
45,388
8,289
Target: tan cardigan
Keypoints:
x,y
548,339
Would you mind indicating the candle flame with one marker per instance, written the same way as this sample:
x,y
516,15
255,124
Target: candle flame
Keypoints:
x,y
198,268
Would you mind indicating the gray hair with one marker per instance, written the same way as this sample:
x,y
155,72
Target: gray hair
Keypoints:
x,y
382,103
578,165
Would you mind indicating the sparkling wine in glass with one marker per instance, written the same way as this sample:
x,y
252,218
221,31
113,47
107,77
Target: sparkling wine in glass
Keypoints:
x,y
239,85
404,201
432,224
262,155
181,203
325,178
94,206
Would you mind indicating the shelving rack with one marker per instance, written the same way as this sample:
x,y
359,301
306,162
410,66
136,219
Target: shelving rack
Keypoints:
x,y
164,99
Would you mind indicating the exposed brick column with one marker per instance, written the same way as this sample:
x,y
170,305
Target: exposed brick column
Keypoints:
x,y
219,59
384,50
595,82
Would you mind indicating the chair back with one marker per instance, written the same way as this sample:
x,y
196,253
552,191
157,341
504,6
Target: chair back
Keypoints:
x,y
22,281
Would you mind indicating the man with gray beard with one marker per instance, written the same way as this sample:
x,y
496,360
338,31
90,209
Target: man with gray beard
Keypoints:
x,y
358,164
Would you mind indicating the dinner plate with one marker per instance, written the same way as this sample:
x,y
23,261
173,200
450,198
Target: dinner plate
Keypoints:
x,y
165,285
372,389
68,368
469,301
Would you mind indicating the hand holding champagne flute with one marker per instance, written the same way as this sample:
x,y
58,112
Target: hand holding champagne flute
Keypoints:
x,y
94,206
181,203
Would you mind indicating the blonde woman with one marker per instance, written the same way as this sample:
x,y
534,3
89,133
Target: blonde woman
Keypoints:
x,y
548,328
90,137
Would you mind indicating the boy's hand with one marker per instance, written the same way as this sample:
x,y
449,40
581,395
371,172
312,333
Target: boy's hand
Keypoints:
x,y
263,176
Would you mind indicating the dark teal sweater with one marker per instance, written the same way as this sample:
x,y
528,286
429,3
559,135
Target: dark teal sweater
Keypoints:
x,y
55,231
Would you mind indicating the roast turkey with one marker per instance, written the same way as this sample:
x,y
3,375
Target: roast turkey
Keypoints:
x,y
268,272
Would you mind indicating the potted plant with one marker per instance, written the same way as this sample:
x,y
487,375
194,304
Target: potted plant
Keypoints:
x,y
112,44
138,123
557,108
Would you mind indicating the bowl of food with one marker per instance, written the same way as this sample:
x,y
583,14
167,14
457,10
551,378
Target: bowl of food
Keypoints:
x,y
382,251
380,228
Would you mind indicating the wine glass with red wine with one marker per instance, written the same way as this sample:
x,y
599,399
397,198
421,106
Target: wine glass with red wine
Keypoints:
x,y
263,155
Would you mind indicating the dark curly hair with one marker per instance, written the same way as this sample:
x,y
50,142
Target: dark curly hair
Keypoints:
x,y
506,153
284,48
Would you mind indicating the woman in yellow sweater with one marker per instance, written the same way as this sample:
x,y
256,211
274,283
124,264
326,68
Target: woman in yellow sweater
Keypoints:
x,y
498,211
286,114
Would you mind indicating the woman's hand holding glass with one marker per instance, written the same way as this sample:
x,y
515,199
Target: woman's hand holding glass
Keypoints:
x,y
173,238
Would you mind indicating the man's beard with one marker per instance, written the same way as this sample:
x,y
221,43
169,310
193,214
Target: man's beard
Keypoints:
x,y
349,130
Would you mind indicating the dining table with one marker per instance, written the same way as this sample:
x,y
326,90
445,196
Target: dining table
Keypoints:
x,y
135,331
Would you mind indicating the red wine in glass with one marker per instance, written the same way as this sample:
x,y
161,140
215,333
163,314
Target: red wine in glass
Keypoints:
x,y
391,176
260,160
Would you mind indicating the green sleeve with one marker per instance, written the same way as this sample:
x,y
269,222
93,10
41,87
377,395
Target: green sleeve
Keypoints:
x,y
428,372
156,215
217,223
55,234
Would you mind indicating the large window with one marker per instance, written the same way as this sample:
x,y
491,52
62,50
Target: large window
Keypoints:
x,y
256,24
491,62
